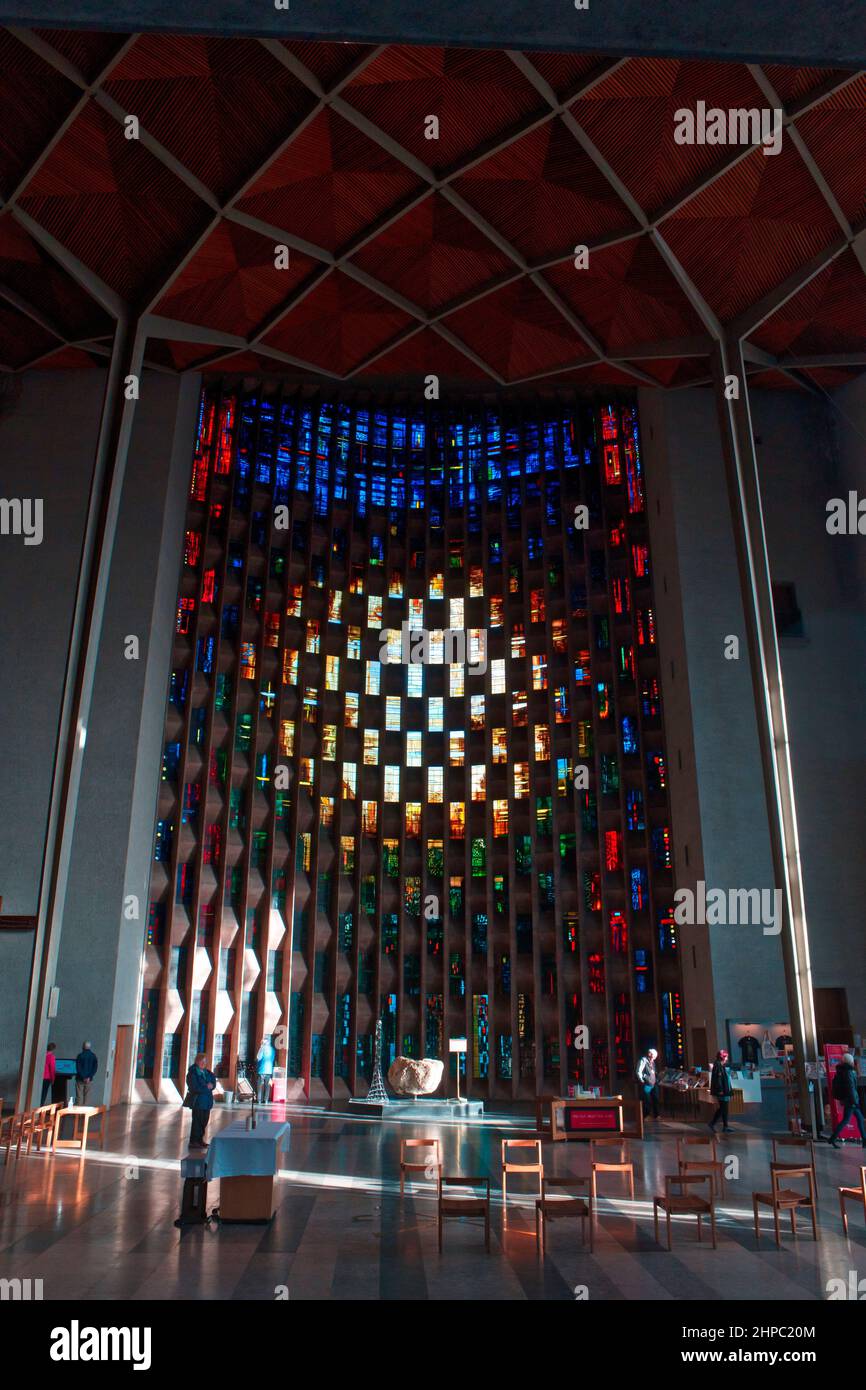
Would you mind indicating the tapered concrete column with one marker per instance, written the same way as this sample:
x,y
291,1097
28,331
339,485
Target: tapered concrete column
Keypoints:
x,y
100,529
744,493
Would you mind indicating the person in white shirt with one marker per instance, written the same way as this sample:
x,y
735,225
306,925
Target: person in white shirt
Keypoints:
x,y
648,1079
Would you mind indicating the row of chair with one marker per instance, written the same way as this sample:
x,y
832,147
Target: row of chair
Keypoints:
x,y
470,1196
19,1131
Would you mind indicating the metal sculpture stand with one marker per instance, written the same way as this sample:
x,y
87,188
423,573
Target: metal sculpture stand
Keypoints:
x,y
377,1094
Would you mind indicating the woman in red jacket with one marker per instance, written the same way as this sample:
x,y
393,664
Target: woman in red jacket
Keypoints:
x,y
49,1072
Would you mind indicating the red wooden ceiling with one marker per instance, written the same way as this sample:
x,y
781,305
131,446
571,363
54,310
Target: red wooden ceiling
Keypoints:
x,y
409,255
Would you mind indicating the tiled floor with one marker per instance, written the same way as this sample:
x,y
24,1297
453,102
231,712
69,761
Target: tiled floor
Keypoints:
x,y
103,1228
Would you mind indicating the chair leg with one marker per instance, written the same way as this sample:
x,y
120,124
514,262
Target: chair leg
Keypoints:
x,y
776,1224
402,1176
844,1212
504,1197
713,1225
487,1229
440,1233
668,1215
700,1237
539,1230
656,1221
814,1222
793,1224
757,1221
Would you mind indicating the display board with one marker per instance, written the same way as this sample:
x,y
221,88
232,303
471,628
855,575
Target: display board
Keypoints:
x,y
586,1117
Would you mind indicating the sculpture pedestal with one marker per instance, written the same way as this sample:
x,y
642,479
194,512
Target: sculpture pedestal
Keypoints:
x,y
424,1108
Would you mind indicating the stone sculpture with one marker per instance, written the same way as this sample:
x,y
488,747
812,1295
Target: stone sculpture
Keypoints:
x,y
411,1076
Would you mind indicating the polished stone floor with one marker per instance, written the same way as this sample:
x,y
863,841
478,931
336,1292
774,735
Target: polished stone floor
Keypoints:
x,y
102,1227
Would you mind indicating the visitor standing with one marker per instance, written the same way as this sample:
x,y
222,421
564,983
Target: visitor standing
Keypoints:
x,y
49,1071
265,1059
647,1076
201,1085
721,1088
85,1070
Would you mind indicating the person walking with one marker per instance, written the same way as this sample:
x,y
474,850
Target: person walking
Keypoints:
x,y
845,1093
647,1076
721,1088
265,1059
49,1071
201,1085
85,1070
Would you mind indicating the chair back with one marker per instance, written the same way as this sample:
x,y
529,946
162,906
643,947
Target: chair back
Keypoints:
x,y
782,1173
420,1144
608,1141
564,1184
534,1144
793,1141
454,1180
683,1180
696,1141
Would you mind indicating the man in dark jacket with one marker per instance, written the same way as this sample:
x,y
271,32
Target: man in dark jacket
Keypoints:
x,y
201,1084
721,1088
85,1070
845,1093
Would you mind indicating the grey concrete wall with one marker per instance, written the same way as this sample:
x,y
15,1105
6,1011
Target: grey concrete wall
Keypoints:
x,y
806,31
718,805
101,948
809,451
47,444
695,963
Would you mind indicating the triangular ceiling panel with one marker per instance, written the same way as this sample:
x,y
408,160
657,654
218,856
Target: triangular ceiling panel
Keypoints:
x,y
395,228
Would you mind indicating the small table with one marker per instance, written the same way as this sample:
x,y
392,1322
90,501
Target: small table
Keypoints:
x,y
82,1116
246,1162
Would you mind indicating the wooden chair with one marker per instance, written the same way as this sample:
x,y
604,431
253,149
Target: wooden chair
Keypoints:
x,y
560,1203
42,1125
465,1203
852,1194
431,1145
12,1131
509,1167
625,1165
803,1143
790,1199
24,1137
685,1203
711,1164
